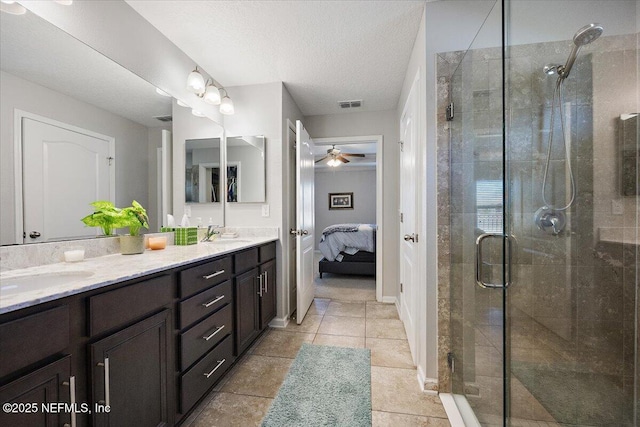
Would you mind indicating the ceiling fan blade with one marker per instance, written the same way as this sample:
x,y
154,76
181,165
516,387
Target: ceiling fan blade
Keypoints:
x,y
353,155
324,158
342,159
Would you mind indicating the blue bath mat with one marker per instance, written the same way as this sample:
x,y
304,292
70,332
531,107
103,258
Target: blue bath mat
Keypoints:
x,y
326,386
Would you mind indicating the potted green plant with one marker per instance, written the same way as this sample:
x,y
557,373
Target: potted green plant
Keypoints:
x,y
135,217
106,216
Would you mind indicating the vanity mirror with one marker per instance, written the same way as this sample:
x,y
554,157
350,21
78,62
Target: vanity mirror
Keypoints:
x,y
203,176
67,88
246,169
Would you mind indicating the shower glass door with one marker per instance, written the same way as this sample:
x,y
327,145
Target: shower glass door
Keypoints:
x,y
472,141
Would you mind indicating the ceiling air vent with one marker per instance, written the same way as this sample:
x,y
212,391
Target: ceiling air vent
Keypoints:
x,y
164,118
350,104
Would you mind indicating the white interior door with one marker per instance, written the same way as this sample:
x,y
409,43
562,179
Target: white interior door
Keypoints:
x,y
292,221
305,221
63,172
408,228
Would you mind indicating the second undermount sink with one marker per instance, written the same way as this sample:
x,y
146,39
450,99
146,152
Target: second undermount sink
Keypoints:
x,y
35,282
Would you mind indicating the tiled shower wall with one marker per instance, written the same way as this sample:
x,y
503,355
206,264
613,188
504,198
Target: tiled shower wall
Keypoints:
x,y
572,307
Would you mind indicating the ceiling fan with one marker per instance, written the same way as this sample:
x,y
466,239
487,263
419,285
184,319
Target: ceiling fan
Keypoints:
x,y
336,157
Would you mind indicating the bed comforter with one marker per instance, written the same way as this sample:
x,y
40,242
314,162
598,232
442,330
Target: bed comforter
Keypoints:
x,y
347,238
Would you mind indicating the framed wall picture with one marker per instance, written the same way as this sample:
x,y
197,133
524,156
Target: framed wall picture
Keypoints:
x,y
340,200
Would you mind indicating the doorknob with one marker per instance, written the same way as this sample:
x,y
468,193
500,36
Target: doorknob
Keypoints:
x,y
298,232
304,232
34,234
294,232
411,237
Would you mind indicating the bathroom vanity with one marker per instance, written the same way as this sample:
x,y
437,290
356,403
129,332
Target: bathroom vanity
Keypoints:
x,y
134,347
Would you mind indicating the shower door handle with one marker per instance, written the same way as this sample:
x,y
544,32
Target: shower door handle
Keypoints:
x,y
507,260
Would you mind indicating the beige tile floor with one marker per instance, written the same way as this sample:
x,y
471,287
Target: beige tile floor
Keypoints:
x,y
343,314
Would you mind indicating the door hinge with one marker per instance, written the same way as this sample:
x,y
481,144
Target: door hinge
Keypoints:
x,y
450,112
401,288
401,217
110,159
451,362
401,145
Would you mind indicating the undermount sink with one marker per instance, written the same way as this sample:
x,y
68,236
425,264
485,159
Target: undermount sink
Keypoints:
x,y
36,282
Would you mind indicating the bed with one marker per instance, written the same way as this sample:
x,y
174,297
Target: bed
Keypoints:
x,y
348,249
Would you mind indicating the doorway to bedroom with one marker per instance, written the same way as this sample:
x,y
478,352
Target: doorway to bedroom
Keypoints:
x,y
347,213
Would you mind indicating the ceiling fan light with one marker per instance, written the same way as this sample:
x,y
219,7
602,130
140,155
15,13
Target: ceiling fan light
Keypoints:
x,y
212,95
333,163
12,8
226,105
195,82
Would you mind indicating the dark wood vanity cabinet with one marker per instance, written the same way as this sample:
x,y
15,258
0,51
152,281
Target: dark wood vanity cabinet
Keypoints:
x,y
150,348
26,396
130,373
255,293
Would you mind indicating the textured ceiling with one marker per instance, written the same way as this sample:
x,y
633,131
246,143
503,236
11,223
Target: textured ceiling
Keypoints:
x,y
324,51
35,50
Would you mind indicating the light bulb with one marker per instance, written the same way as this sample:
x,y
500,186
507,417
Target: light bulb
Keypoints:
x,y
182,103
212,95
64,2
197,113
161,92
195,82
226,106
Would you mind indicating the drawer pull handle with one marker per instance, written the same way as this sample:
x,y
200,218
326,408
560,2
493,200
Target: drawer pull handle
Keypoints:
x,y
209,276
210,303
207,338
220,362
72,399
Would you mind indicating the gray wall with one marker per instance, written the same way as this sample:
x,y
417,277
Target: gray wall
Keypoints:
x,y
341,180
131,142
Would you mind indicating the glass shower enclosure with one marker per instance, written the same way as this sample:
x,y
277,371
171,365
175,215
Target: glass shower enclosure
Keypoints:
x,y
538,129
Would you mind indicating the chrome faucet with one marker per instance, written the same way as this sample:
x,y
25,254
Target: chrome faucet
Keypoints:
x,y
211,231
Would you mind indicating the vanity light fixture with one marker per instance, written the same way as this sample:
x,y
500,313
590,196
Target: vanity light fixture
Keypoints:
x,y
10,6
197,113
209,92
226,105
182,103
195,82
64,2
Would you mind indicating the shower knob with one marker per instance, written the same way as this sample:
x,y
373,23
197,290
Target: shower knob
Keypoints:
x,y
550,220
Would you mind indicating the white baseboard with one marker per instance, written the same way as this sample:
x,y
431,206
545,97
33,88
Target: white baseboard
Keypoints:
x,y
390,300
279,322
427,385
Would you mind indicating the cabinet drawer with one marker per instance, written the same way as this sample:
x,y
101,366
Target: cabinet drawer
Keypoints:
x,y
205,303
197,278
245,260
267,252
205,373
33,338
118,307
205,335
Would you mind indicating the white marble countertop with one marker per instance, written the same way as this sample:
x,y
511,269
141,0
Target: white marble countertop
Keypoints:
x,y
94,273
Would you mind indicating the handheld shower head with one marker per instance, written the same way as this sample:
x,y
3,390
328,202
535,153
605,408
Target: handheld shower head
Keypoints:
x,y
583,36
587,34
